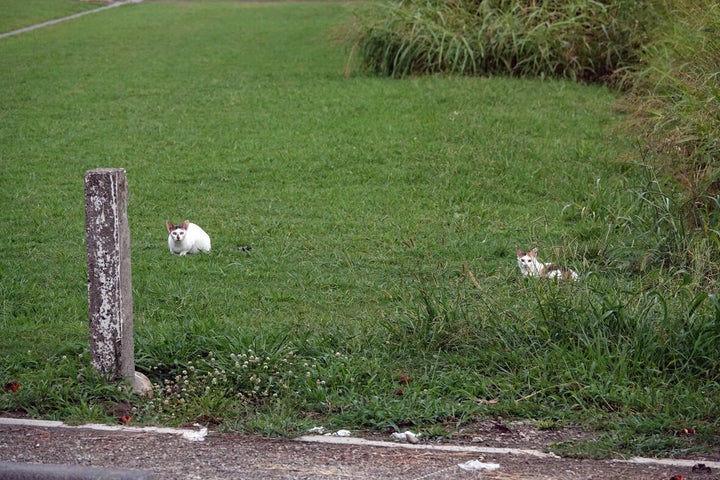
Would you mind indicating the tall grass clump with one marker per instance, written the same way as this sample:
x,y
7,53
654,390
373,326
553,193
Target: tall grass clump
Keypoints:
x,y
675,102
662,236
583,40
646,357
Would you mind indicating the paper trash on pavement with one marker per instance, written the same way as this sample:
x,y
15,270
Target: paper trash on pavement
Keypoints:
x,y
406,436
474,465
321,431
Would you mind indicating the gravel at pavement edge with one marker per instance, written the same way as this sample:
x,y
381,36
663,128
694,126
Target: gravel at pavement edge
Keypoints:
x,y
232,456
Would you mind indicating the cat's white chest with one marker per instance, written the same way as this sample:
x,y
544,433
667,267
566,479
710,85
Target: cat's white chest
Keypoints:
x,y
530,267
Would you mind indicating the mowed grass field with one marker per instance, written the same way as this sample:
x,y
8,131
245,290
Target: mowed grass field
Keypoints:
x,y
382,289
20,14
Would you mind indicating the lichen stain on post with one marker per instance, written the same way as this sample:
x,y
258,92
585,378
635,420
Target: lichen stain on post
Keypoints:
x,y
109,278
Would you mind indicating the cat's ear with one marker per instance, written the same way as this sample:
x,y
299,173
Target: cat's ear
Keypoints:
x,y
170,226
533,252
520,253
186,224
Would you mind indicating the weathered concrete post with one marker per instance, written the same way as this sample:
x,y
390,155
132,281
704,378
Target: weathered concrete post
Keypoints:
x,y
109,282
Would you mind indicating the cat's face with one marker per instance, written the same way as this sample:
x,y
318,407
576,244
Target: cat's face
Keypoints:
x,y
178,233
528,263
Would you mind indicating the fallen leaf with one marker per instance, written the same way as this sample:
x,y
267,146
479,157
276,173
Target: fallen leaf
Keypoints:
x,y
12,386
501,426
701,467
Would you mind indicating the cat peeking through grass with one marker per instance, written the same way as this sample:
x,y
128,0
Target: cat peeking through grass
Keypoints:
x,y
531,266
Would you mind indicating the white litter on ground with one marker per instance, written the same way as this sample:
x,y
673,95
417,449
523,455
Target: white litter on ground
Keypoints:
x,y
474,465
321,431
406,436
187,434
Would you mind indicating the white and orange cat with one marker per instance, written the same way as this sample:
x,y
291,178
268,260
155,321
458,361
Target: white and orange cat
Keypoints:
x,y
531,266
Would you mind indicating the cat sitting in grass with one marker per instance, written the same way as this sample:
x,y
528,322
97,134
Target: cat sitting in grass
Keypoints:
x,y
531,266
187,238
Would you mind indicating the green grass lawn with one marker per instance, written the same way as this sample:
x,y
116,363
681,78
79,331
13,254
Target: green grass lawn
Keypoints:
x,y
16,14
370,204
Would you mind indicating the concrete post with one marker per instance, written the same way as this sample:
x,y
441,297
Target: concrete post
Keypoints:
x,y
109,281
